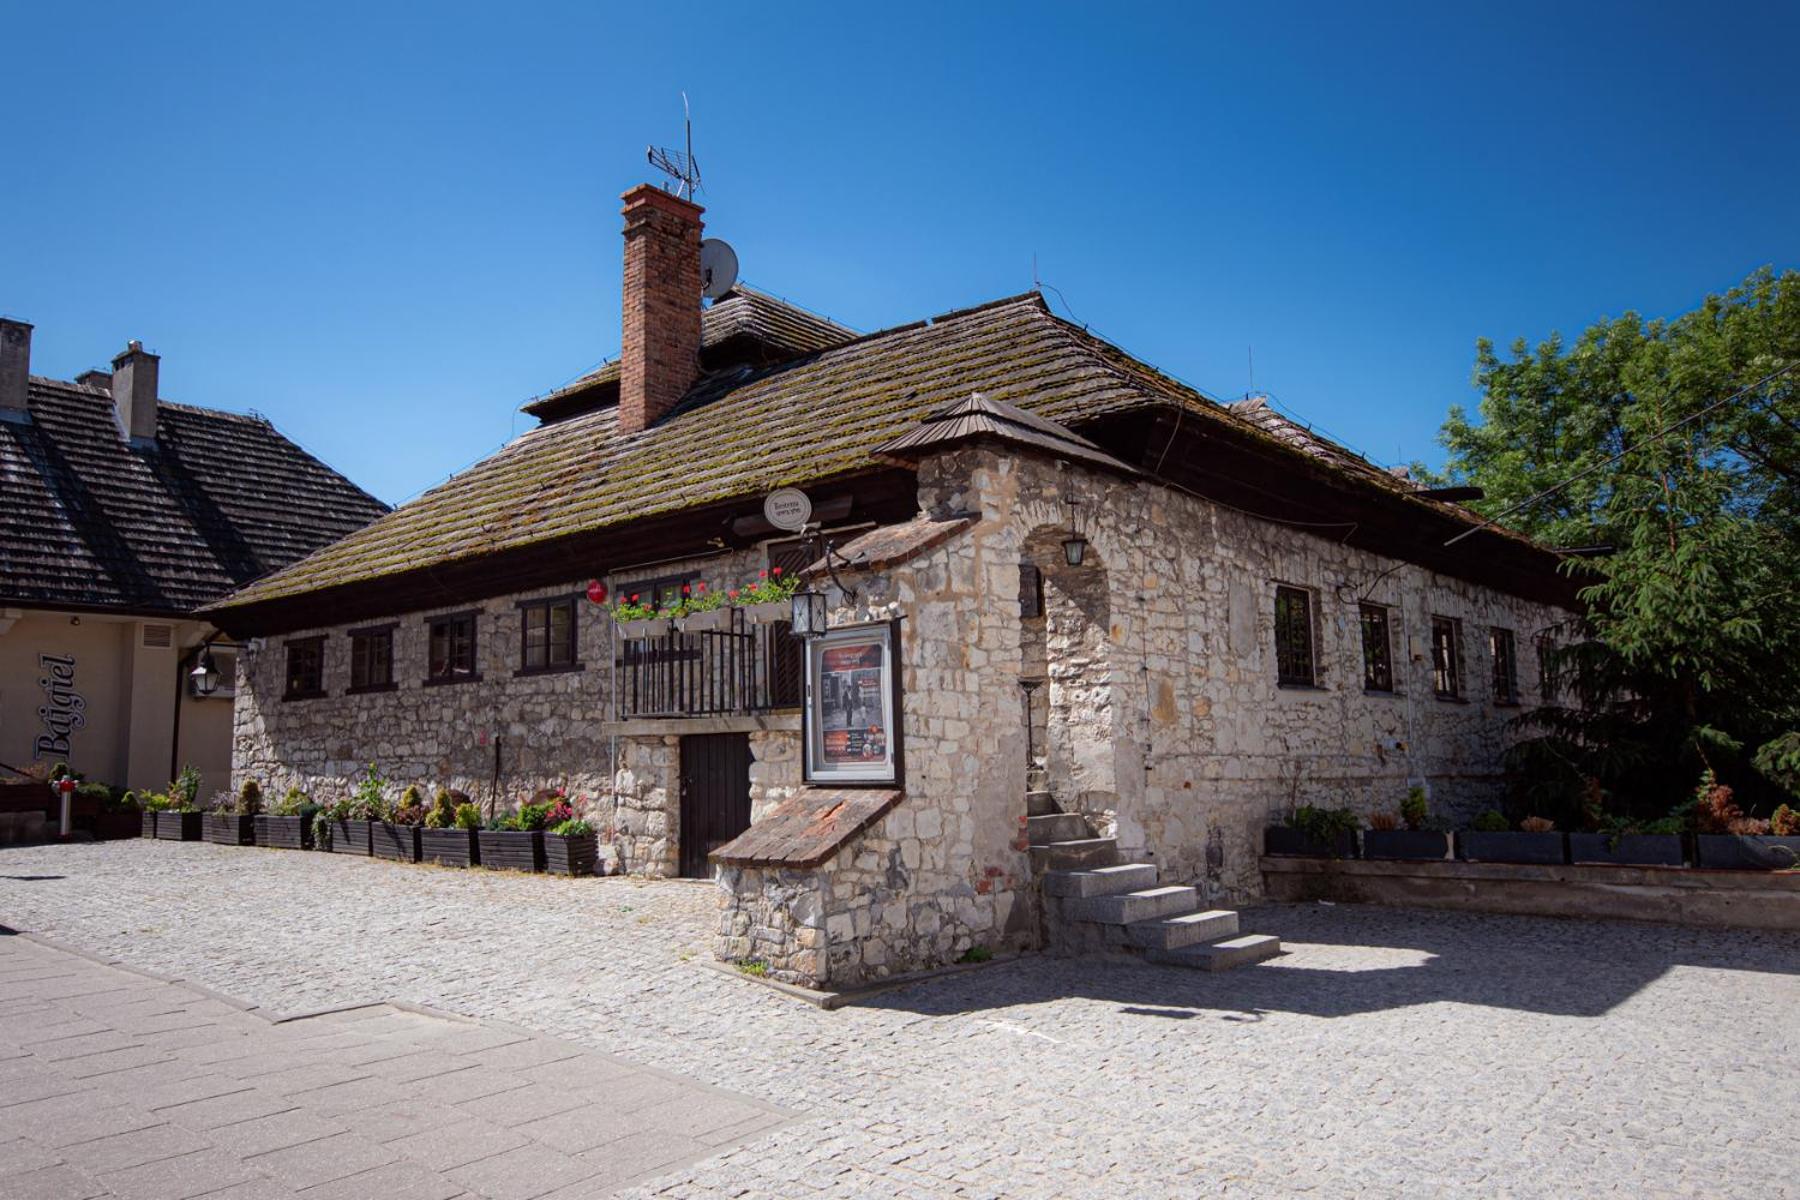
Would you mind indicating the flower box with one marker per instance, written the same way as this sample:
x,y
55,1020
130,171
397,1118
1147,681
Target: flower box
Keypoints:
x,y
284,833
575,855
1474,845
768,612
178,826
148,824
1286,840
229,829
511,849
710,621
350,837
110,824
449,847
397,843
650,627
1627,849
1744,852
1405,843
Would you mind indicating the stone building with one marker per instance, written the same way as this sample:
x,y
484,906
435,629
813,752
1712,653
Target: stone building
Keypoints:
x,y
1074,613
121,513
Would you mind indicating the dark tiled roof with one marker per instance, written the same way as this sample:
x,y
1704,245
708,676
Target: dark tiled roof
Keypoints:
x,y
806,829
744,326
981,418
890,545
89,521
1259,412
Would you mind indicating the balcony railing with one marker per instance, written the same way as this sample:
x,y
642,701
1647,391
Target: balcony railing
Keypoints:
x,y
742,670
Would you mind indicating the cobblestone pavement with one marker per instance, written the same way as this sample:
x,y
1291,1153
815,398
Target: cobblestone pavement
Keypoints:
x,y
116,1084
1390,1053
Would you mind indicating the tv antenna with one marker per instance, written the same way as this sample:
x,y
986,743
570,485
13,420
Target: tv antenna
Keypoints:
x,y
677,164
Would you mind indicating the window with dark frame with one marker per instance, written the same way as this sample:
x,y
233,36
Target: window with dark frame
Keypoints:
x,y
1031,591
1506,665
1293,637
1446,658
1547,673
451,655
305,669
547,635
372,659
661,592
1377,649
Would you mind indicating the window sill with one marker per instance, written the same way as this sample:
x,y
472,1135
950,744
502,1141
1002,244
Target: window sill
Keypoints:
x,y
1508,704
1300,687
371,688
1447,699
571,669
451,680
290,697
1385,693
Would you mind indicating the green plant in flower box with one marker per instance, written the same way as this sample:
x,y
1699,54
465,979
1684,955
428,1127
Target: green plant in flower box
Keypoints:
x,y
184,792
443,810
293,803
411,808
771,587
468,816
574,827
366,802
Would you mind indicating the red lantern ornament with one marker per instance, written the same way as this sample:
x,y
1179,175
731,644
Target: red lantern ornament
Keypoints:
x,y
596,591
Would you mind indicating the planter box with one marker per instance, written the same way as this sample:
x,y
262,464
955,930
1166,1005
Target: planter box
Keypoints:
x,y
571,855
397,842
769,613
229,829
632,630
511,849
178,826
111,824
350,837
1627,849
1747,853
710,621
148,824
284,833
1472,845
1405,843
449,847
1282,839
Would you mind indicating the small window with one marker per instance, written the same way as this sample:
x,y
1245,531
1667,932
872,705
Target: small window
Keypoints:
x,y
305,669
658,593
452,649
1031,591
547,639
1506,666
372,659
1293,637
1547,672
1446,658
1378,659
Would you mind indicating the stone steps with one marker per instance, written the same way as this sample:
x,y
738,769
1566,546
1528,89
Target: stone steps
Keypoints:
x,y
1126,908
1172,933
1039,804
1057,827
1220,956
1101,881
1077,855
1120,909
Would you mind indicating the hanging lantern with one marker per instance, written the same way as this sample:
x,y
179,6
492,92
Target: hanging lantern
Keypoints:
x,y
205,675
1075,545
809,614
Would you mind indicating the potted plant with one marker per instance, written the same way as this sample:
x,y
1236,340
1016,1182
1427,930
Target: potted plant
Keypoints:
x,y
396,835
448,838
701,610
150,804
516,842
179,821
768,599
570,846
290,825
1493,840
351,819
232,820
107,812
1725,838
639,620
1630,843
1385,839
1314,832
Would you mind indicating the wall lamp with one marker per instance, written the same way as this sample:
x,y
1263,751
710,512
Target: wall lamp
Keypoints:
x,y
1075,545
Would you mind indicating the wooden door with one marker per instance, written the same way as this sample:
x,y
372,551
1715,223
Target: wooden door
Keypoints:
x,y
715,796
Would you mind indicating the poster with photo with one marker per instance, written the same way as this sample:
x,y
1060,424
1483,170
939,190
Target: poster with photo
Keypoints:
x,y
851,705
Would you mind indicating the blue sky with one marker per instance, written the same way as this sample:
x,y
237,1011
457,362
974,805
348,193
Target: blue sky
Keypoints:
x,y
386,227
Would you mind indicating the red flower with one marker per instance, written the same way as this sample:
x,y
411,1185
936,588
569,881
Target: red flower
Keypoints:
x,y
732,593
634,597
703,586
778,570
762,574
684,590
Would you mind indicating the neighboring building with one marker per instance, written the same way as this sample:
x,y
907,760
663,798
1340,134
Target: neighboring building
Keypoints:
x,y
1260,620
120,515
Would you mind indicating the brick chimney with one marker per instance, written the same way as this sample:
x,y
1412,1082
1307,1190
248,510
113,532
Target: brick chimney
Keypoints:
x,y
134,391
660,356
15,369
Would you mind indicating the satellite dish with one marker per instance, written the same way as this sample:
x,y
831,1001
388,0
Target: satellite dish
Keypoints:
x,y
718,268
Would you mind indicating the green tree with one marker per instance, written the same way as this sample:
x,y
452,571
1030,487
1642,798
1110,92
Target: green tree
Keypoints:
x,y
1686,657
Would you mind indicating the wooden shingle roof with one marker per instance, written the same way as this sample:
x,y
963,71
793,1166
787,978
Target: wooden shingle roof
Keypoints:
x,y
89,521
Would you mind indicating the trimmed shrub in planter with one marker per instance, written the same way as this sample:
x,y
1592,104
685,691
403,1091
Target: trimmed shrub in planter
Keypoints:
x,y
229,829
1405,843
400,843
1747,852
284,832
1509,847
178,826
511,849
1627,849
571,849
350,837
